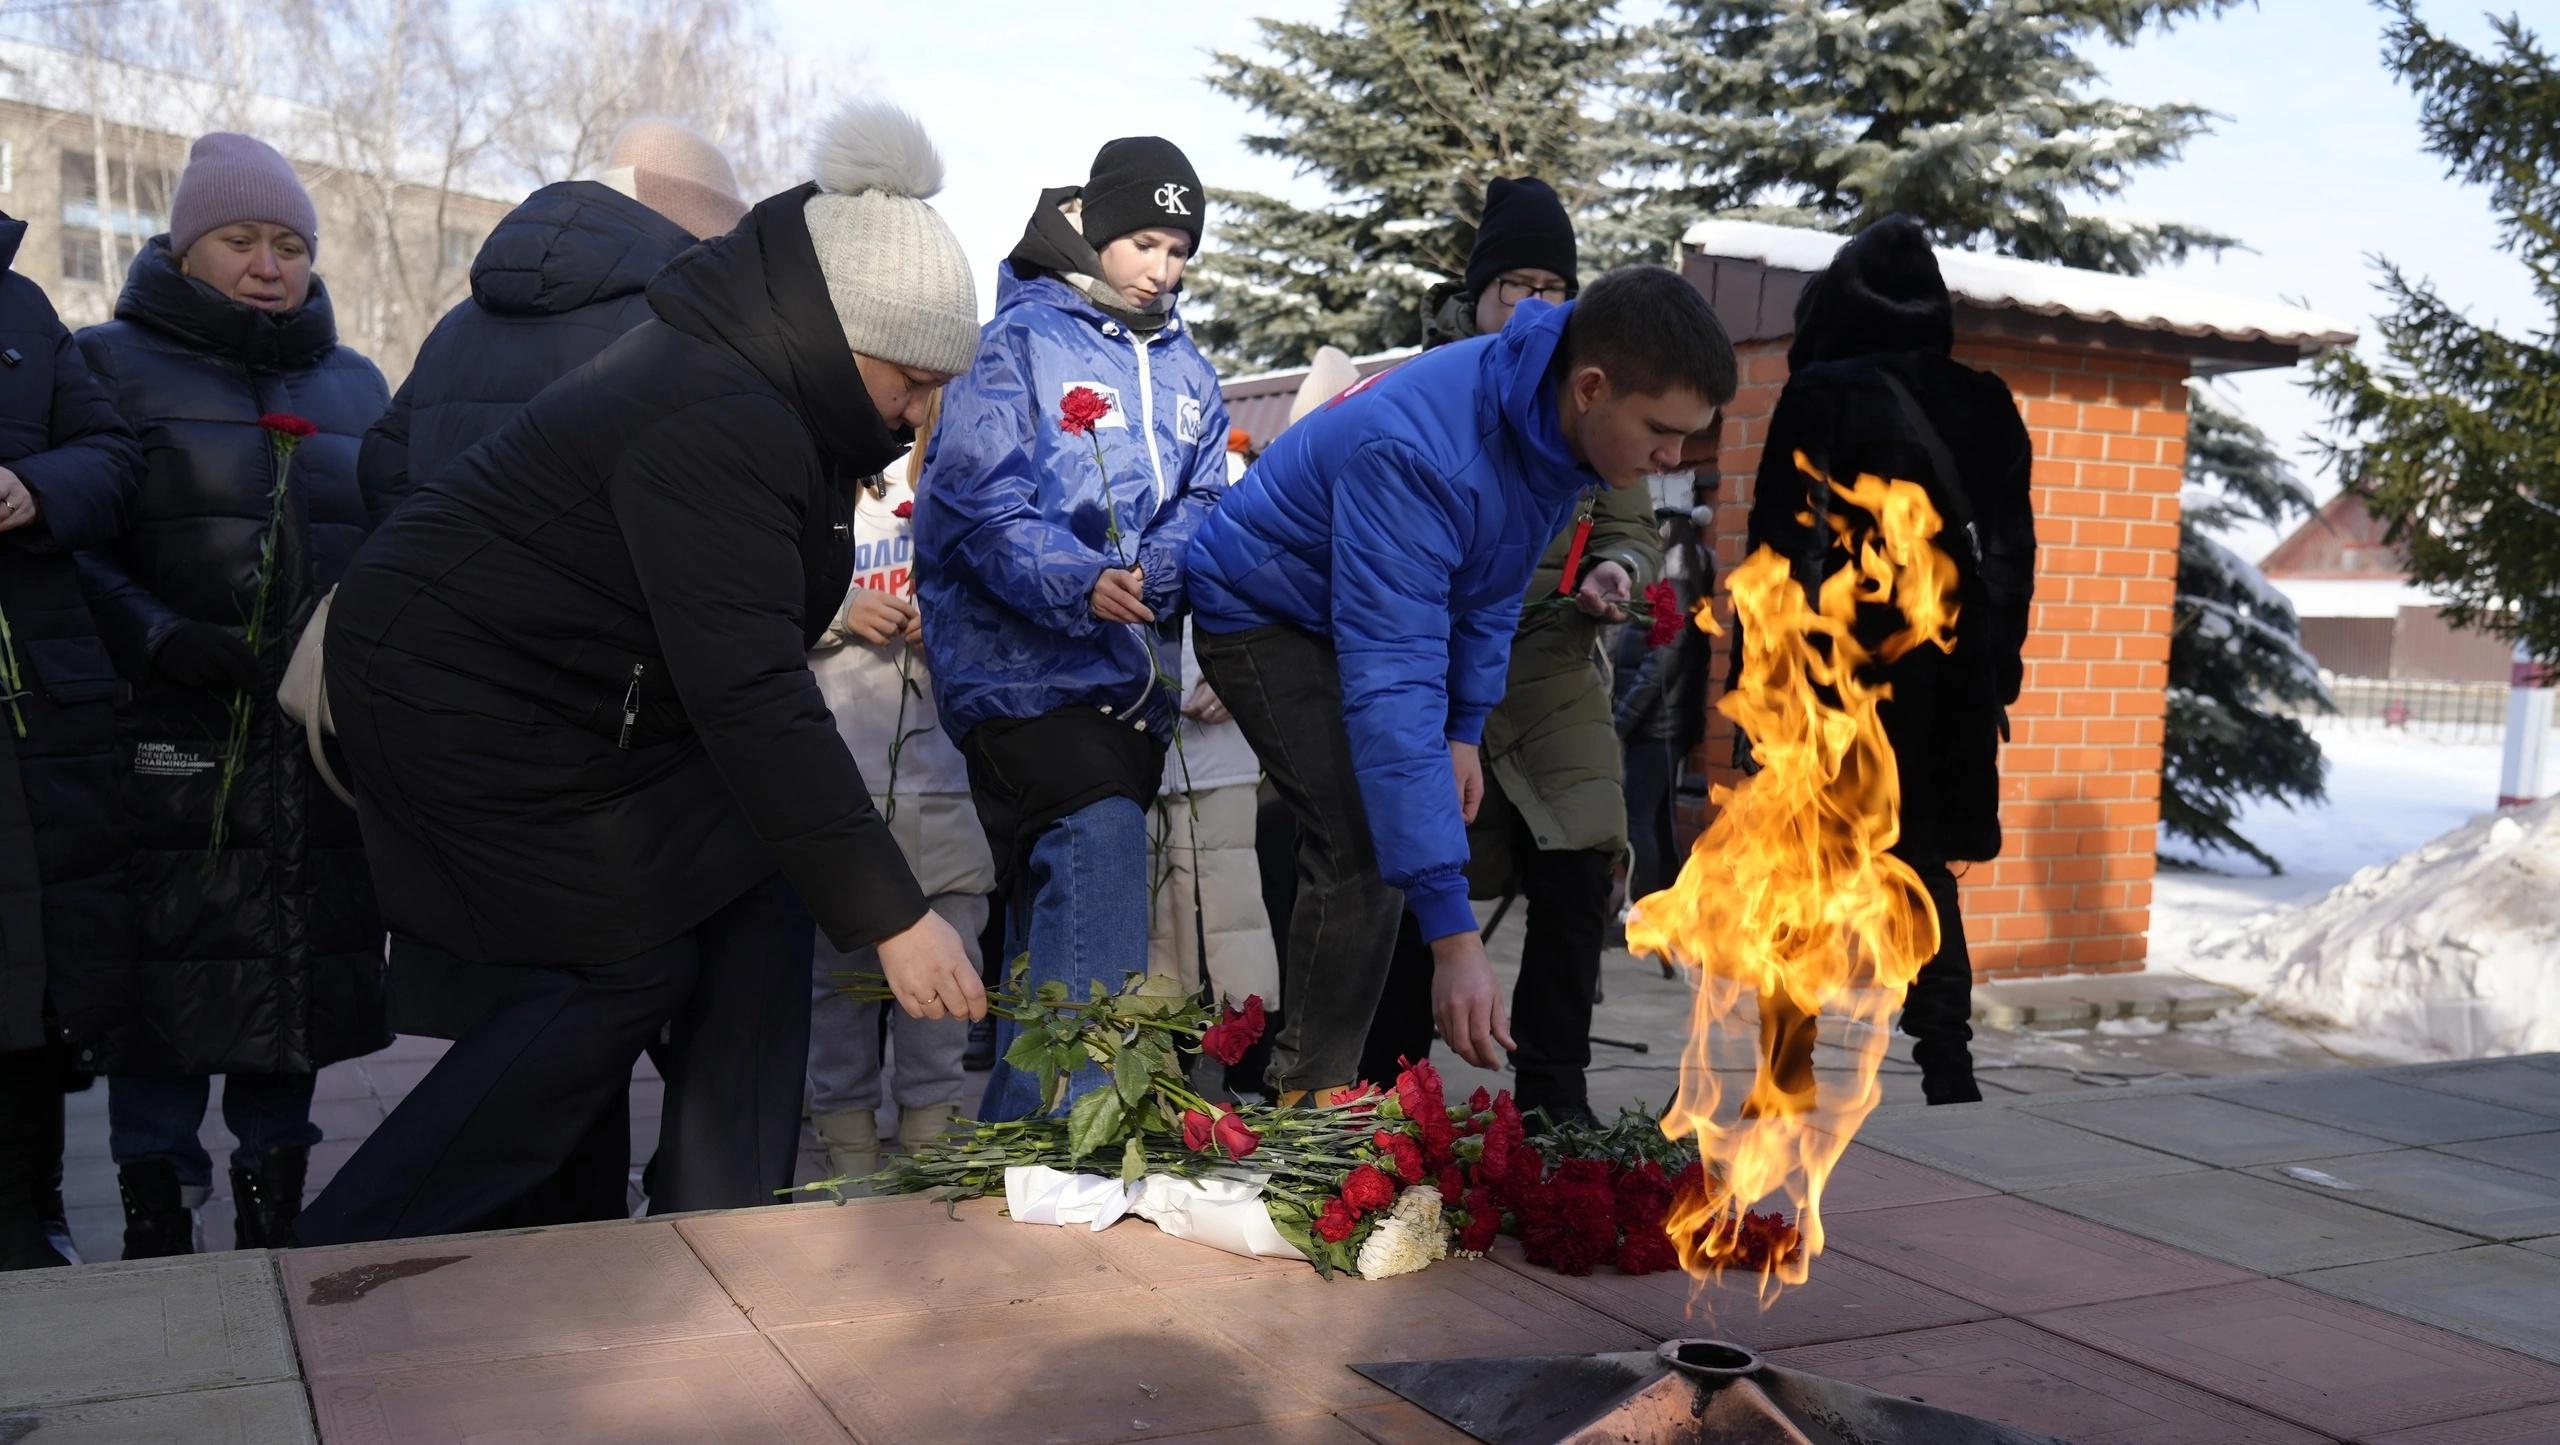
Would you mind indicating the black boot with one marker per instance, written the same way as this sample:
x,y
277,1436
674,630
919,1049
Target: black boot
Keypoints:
x,y
1946,1071
157,1221
268,1199
32,1235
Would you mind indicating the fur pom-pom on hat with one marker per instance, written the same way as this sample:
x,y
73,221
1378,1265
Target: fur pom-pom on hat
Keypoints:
x,y
898,277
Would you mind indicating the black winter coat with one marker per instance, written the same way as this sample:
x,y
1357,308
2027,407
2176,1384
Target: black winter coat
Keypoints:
x,y
571,671
63,835
272,963
558,281
1881,311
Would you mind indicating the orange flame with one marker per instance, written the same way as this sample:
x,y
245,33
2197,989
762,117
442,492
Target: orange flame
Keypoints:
x,y
1791,899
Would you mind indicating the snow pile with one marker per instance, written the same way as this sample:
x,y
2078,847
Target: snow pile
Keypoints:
x,y
2452,950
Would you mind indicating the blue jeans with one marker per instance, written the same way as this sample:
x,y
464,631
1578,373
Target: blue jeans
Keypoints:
x,y
1080,910
157,1116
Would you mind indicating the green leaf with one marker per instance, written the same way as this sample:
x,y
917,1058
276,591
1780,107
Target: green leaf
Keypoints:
x,y
1052,992
1159,997
1132,1081
1133,1163
1028,1048
1092,1123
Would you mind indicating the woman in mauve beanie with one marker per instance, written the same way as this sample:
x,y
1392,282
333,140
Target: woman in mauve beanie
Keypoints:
x,y
625,795
231,178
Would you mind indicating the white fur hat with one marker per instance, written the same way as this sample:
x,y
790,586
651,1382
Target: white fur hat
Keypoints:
x,y
1331,374
899,280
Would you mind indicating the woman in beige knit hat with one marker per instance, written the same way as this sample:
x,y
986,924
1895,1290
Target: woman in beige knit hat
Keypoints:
x,y
592,766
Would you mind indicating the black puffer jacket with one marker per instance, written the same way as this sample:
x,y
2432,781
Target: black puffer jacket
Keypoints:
x,y
62,829
272,962
556,282
571,671
1878,317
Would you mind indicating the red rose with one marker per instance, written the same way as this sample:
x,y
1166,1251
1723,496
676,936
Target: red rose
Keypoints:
x,y
903,510
1234,1136
1337,1221
1234,1032
1664,602
1367,1189
1196,1130
286,424
1082,409
1647,1251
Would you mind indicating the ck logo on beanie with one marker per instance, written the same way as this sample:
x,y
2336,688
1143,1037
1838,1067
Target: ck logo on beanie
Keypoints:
x,y
1169,199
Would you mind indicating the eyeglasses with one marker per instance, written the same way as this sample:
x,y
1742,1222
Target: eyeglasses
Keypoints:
x,y
1512,290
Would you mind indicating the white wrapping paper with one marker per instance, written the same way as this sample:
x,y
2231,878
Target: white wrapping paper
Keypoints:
x,y
1223,1212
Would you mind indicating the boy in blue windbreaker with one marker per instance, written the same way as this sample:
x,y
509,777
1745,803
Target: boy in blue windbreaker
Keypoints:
x,y
1355,599
1052,581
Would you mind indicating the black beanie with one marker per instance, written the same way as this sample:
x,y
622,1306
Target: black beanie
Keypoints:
x,y
1881,294
1524,225
1138,182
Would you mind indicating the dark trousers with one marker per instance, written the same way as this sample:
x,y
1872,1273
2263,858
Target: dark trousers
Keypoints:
x,y
519,1093
1284,689
1565,893
1653,772
157,1116
1937,1012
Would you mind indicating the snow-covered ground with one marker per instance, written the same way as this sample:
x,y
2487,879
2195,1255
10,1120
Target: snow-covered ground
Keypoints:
x,y
2352,970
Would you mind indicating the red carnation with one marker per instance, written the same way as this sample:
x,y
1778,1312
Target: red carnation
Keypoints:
x,y
1197,1130
1647,1251
1764,1240
1337,1221
1494,1164
1644,1198
1404,1156
1234,1137
1367,1189
1236,1029
1419,1089
1363,1096
1452,1185
1663,603
903,510
1082,410
1484,1221
1479,1102
1589,1174
286,424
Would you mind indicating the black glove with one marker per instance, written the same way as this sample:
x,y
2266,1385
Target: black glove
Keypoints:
x,y
201,655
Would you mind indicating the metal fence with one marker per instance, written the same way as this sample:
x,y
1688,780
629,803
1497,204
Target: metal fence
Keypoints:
x,y
2470,712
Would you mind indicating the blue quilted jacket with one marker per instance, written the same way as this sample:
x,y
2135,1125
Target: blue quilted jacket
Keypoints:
x,y
1403,521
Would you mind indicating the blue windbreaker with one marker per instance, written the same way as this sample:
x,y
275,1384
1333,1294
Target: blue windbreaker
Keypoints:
x,y
1011,529
1402,521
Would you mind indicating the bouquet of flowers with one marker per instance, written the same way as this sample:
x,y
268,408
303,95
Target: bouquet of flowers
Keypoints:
x,y
1377,1183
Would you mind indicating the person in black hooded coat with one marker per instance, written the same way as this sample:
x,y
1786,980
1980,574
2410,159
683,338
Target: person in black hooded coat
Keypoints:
x,y
570,676
68,468
560,278
1873,388
260,960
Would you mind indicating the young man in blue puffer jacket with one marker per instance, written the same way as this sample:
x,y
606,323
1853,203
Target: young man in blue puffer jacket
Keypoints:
x,y
1051,583
1356,597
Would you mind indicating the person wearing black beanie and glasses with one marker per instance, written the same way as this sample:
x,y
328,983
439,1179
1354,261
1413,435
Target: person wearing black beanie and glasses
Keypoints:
x,y
1554,821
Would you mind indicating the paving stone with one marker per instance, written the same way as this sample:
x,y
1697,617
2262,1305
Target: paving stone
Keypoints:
x,y
2549,1246
2512,1082
2506,1296
2532,1153
2007,1372
825,1263
1868,1178
2317,1361
728,1390
2017,1257
148,1328
1310,1331
1304,1430
1841,1299
273,1414
2210,1130
1403,1423
1095,1367
2539,1425
2015,1149
2434,1188
410,1305
2385,1109
2271,1228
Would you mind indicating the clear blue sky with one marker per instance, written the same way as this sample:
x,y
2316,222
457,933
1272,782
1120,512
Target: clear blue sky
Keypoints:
x,y
2316,168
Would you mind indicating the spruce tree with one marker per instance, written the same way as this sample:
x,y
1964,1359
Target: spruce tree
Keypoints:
x,y
1403,109
1977,118
2235,654
2452,436
1971,115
